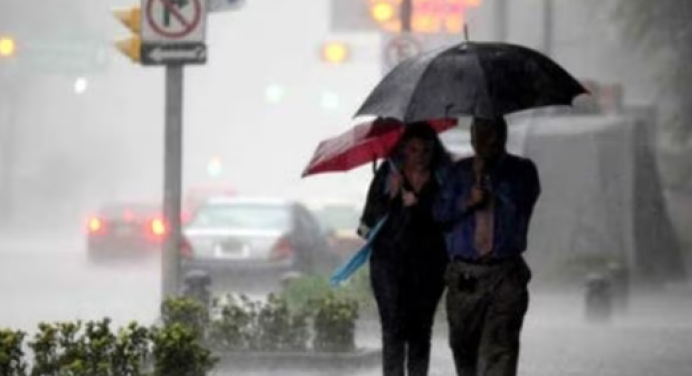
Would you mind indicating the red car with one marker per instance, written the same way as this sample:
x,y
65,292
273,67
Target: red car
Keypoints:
x,y
125,230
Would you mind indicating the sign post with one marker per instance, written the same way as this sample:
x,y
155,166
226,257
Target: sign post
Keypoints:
x,y
172,181
170,33
173,34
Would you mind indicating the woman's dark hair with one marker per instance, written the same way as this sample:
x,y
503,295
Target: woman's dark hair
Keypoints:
x,y
423,131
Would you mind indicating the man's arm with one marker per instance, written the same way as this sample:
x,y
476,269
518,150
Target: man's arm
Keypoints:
x,y
527,189
532,187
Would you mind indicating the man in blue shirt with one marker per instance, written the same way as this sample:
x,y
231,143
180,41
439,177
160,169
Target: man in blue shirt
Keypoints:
x,y
485,204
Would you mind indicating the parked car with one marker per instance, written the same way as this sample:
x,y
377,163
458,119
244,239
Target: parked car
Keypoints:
x,y
340,219
196,196
255,242
124,230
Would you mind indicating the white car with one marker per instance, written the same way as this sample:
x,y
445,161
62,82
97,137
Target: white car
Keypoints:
x,y
251,242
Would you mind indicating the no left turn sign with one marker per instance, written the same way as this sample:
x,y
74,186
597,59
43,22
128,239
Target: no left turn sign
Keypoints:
x,y
176,21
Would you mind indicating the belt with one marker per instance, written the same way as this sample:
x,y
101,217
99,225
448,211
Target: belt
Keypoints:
x,y
484,261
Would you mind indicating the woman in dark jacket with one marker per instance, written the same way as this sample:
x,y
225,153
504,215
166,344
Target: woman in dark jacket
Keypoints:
x,y
408,255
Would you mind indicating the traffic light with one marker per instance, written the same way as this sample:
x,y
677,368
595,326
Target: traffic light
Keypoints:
x,y
7,46
274,94
132,19
214,167
81,85
428,16
330,101
334,52
383,11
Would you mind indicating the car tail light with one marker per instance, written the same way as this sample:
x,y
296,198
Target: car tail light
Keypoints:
x,y
282,249
95,225
158,227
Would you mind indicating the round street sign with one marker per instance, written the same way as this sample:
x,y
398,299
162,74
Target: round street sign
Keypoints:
x,y
401,48
173,19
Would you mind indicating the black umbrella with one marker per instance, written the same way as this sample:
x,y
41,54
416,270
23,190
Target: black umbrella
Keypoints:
x,y
471,78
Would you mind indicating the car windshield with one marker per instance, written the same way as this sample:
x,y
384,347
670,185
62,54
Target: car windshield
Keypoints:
x,y
242,216
338,217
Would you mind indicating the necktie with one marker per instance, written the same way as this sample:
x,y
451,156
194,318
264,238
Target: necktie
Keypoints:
x,y
483,240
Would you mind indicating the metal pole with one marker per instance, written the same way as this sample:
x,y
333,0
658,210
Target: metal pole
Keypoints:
x,y
8,129
406,15
548,27
172,185
501,20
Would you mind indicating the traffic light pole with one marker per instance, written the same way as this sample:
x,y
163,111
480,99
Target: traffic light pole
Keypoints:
x,y
8,131
548,26
406,15
172,181
501,20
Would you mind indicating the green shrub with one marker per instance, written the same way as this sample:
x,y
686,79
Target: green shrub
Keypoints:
x,y
250,325
12,362
130,351
278,328
188,312
46,348
233,330
77,349
335,319
177,351
327,321
300,292
181,345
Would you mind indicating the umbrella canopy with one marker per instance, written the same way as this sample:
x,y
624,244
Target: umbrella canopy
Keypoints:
x,y
361,144
486,80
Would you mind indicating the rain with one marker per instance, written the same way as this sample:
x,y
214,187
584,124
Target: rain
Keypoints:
x,y
92,226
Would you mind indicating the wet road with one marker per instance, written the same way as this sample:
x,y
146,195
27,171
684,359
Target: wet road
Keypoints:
x,y
48,278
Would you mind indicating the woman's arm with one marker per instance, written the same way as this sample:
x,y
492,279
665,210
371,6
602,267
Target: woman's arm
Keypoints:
x,y
378,201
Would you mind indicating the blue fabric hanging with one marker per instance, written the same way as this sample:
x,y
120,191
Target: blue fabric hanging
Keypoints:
x,y
345,271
